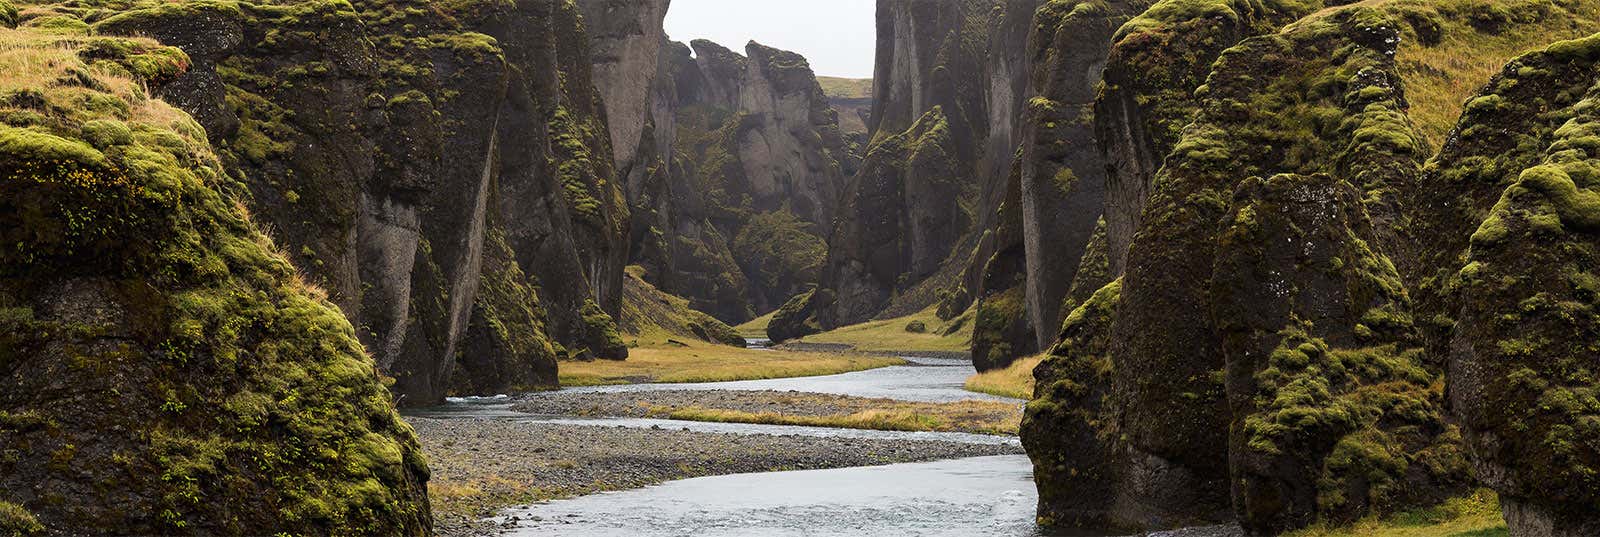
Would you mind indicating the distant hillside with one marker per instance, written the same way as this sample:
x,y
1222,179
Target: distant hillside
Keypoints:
x,y
846,88
852,97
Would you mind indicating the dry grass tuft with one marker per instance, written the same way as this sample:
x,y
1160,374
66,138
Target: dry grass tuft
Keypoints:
x,y
890,335
981,417
699,361
1015,381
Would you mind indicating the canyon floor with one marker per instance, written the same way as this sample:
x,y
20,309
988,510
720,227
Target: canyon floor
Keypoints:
x,y
922,450
490,454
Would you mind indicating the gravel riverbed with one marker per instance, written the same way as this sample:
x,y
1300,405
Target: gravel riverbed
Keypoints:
x,y
638,404
482,465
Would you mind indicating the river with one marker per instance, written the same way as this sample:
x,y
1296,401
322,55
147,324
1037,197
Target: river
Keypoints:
x,y
971,497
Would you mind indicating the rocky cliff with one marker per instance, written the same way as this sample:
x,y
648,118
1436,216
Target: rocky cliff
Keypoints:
x,y
750,163
1517,179
164,369
948,79
445,173
1272,350
1059,178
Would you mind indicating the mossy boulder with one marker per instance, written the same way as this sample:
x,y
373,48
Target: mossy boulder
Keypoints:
x,y
163,368
1069,427
1335,414
1522,355
797,317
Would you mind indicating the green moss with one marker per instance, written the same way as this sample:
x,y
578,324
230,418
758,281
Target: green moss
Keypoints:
x,y
104,134
58,24
17,522
8,14
575,165
996,315
211,324
1068,428
779,251
797,317
1526,295
601,332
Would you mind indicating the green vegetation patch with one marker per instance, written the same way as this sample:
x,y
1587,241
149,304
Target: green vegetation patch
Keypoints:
x,y
201,375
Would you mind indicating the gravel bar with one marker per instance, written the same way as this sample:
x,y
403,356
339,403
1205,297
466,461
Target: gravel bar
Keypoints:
x,y
482,465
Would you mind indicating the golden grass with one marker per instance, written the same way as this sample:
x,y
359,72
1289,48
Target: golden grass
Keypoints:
x,y
41,62
757,327
1474,516
1014,381
982,417
847,88
891,336
1440,78
699,361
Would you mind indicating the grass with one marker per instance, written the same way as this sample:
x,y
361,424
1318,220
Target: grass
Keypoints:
x,y
1474,516
980,417
651,316
890,335
697,361
1014,381
847,88
757,327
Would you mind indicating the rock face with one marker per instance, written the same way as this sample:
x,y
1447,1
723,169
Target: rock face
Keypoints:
x,y
749,166
1059,178
948,81
452,186
1273,352
163,369
1521,356
626,38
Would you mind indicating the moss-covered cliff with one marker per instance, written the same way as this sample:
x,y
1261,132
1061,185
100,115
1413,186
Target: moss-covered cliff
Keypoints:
x,y
1288,263
735,213
957,70
1041,237
163,368
1522,355
391,153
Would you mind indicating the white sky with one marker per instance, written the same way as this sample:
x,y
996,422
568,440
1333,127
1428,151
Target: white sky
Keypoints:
x,y
837,36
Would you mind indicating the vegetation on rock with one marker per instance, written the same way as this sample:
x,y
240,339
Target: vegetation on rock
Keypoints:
x,y
163,368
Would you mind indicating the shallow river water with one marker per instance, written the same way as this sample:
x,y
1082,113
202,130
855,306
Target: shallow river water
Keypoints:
x,y
985,496
936,380
974,497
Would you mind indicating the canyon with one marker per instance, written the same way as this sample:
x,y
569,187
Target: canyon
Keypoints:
x,y
1282,263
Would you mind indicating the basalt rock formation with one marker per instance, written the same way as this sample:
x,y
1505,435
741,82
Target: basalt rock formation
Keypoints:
x,y
1518,179
163,367
445,172
1059,178
749,167
1275,347
626,38
946,91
